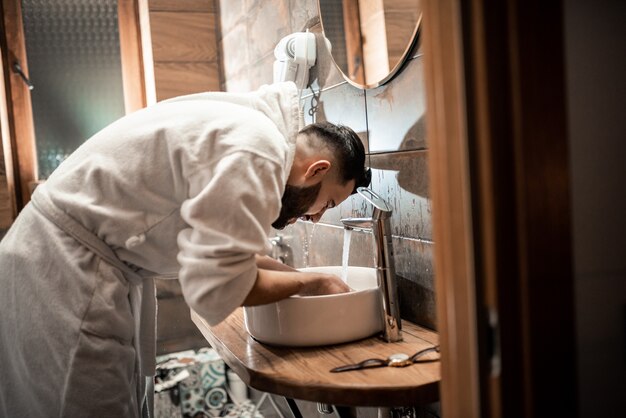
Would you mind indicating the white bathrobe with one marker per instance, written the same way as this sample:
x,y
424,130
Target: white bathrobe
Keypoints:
x,y
186,188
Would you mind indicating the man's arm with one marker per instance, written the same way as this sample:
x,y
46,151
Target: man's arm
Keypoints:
x,y
272,286
266,262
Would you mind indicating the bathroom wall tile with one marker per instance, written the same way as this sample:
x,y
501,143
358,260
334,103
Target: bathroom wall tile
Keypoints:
x,y
234,52
416,280
302,12
401,179
262,71
251,4
417,303
322,245
231,14
342,104
414,261
268,22
324,73
396,111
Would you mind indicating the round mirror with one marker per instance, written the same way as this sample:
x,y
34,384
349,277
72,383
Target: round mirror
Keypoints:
x,y
370,39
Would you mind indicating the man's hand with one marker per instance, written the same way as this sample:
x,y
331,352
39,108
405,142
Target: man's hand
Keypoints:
x,y
315,284
272,286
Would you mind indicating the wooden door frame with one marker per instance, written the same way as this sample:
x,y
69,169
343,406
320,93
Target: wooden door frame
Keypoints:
x,y
18,132
501,207
452,212
136,54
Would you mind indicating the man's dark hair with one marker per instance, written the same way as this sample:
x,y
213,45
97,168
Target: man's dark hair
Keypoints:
x,y
347,148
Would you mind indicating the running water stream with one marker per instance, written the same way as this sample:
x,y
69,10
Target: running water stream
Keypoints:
x,y
347,235
305,246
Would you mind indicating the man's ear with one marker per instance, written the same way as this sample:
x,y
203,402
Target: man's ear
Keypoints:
x,y
317,170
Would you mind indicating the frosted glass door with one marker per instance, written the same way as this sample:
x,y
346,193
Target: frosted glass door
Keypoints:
x,y
74,65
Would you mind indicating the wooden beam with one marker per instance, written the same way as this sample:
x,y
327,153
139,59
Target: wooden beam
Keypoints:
x,y
452,209
8,204
19,132
136,54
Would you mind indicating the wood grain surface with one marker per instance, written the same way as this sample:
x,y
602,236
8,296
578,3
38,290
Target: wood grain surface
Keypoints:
x,y
183,36
180,78
183,5
304,373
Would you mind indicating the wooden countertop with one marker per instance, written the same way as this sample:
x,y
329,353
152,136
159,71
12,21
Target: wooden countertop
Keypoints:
x,y
304,373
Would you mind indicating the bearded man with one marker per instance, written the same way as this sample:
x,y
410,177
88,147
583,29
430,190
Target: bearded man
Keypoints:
x,y
188,188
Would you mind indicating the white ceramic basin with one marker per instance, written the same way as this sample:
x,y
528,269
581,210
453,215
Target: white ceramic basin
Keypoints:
x,y
301,321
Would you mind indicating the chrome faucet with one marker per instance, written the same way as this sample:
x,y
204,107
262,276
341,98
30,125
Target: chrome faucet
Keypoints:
x,y
383,250
281,251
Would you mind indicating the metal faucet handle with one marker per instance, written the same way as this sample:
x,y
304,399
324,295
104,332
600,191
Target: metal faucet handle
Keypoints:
x,y
277,240
357,223
370,196
380,207
281,251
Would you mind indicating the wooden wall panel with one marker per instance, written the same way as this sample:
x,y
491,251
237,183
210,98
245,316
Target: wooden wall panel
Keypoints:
x,y
399,27
18,130
131,54
400,19
183,36
184,47
452,210
176,79
183,5
8,206
6,198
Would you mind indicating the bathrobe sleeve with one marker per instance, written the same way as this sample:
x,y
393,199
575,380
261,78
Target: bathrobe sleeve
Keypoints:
x,y
232,203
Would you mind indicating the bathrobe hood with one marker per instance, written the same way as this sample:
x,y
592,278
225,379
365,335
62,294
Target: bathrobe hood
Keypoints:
x,y
279,102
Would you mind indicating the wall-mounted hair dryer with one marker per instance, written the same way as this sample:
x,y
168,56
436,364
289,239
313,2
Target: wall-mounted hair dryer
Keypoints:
x,y
295,54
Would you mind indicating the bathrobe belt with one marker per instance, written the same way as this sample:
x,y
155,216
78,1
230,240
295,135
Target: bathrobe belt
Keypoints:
x,y
142,292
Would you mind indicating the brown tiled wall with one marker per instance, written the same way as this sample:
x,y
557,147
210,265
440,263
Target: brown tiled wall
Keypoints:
x,y
389,120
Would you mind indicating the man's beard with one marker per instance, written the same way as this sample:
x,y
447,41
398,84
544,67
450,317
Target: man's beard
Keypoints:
x,y
296,201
